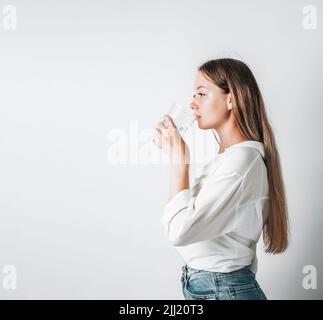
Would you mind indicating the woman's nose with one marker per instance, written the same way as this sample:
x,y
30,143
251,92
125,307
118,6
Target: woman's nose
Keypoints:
x,y
193,105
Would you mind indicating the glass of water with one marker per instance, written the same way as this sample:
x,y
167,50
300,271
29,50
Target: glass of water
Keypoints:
x,y
183,117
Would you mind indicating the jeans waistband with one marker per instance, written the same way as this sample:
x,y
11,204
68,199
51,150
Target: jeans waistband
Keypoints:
x,y
187,271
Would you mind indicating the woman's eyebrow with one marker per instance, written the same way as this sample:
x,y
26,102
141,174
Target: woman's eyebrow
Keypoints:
x,y
201,87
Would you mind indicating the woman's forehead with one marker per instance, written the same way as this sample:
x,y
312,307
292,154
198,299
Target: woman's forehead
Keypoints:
x,y
201,82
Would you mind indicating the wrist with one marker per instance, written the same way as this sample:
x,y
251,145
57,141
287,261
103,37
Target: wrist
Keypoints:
x,y
181,168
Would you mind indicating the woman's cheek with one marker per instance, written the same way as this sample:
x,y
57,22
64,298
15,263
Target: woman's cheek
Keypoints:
x,y
209,107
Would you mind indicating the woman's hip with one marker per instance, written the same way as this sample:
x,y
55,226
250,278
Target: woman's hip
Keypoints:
x,y
207,285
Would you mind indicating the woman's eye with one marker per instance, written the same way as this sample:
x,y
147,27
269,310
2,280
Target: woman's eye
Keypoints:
x,y
200,94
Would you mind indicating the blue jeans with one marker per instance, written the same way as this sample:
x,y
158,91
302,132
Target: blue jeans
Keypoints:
x,y
206,285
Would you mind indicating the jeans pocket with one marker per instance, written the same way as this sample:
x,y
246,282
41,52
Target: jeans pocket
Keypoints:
x,y
248,291
199,286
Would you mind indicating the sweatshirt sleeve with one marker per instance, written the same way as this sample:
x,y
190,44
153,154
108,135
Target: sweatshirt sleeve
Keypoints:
x,y
187,219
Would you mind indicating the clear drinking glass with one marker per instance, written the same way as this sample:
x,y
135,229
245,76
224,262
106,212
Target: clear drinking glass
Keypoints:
x,y
183,117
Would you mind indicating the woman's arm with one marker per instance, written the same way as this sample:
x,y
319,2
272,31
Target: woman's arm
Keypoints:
x,y
171,142
179,179
212,212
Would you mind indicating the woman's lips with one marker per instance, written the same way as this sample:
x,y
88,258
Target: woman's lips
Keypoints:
x,y
197,117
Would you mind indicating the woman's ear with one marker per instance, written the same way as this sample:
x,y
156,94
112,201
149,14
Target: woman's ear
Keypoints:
x,y
229,101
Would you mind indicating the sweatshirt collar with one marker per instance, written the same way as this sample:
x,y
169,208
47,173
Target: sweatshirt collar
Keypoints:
x,y
249,144
205,169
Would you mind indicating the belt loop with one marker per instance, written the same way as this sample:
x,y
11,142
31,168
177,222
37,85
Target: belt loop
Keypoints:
x,y
184,268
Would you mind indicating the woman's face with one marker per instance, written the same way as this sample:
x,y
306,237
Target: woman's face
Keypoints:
x,y
211,105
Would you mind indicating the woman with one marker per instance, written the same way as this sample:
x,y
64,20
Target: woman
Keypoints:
x,y
216,222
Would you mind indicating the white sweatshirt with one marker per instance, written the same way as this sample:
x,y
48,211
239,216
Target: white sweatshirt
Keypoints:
x,y
215,225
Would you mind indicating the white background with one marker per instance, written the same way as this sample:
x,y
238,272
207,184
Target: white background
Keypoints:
x,y
76,226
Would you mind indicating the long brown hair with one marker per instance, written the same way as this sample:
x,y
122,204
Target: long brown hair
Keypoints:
x,y
235,77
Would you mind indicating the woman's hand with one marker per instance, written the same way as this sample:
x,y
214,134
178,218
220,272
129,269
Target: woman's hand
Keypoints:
x,y
171,142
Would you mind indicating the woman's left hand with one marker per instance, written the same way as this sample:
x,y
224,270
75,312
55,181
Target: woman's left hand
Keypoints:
x,y
171,142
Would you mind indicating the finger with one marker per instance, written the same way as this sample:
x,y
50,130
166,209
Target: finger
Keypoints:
x,y
157,137
165,123
161,126
157,132
170,121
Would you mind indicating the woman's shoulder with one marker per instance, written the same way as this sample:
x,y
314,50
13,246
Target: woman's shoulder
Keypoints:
x,y
239,160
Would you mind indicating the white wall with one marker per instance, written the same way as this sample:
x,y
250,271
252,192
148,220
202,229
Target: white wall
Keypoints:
x,y
76,226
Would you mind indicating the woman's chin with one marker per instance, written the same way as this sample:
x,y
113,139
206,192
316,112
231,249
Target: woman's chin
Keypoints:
x,y
201,126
